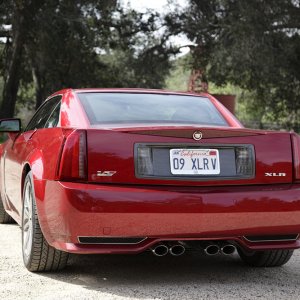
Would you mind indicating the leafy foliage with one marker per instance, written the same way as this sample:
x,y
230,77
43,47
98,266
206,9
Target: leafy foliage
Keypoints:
x,y
252,44
179,75
81,43
250,47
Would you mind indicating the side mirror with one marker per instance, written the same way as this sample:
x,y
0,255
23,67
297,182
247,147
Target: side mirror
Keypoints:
x,y
10,125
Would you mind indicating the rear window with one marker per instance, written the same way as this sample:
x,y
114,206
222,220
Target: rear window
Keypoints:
x,y
120,108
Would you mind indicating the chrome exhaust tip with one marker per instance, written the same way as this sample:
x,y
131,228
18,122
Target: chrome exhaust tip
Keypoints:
x,y
228,249
212,249
160,250
177,250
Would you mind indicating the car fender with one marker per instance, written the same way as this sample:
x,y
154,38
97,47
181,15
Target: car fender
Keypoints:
x,y
42,162
34,162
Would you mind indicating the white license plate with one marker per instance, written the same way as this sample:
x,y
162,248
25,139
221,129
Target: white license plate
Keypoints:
x,y
194,161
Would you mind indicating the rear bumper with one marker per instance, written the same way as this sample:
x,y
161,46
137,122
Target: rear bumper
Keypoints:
x,y
71,210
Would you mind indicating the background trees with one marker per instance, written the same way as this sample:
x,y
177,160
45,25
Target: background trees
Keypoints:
x,y
49,45
254,45
247,47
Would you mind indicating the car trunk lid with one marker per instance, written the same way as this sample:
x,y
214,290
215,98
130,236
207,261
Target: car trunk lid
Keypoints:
x,y
114,155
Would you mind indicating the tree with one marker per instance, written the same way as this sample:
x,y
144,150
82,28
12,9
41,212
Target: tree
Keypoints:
x,y
61,50
20,15
138,57
84,43
252,44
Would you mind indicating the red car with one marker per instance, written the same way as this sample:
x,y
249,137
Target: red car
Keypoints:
x,y
130,170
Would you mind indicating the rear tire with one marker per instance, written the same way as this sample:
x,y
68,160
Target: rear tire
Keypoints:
x,y
5,218
38,255
269,258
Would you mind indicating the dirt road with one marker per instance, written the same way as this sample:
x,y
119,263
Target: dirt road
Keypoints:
x,y
143,277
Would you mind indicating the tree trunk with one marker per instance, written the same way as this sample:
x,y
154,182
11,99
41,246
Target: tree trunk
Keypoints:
x,y
38,84
39,96
11,84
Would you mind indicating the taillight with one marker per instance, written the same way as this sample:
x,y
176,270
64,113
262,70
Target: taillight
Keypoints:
x,y
244,161
73,163
144,161
296,155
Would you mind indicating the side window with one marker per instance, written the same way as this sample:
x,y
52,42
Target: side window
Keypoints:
x,y
42,115
54,118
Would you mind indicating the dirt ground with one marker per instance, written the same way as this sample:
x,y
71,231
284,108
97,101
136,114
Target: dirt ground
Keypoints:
x,y
144,276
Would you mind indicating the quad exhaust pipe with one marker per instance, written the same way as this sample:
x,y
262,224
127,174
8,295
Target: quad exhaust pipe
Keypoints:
x,y
228,249
210,248
160,250
173,249
177,250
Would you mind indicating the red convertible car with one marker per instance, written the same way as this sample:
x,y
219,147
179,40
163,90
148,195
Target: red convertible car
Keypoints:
x,y
130,170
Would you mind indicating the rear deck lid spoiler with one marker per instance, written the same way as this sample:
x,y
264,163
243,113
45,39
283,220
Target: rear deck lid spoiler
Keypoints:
x,y
187,131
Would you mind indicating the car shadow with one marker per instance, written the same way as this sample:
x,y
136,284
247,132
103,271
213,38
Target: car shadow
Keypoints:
x,y
190,276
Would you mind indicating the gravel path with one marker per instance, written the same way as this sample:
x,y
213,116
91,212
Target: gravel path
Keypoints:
x,y
144,276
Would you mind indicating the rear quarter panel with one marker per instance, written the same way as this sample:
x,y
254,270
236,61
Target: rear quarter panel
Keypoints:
x,y
43,160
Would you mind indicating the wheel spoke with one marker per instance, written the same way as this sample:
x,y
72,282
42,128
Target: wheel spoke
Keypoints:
x,y
27,243
27,225
26,212
27,195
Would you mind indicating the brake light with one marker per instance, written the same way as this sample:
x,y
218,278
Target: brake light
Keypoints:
x,y
296,155
144,161
73,163
244,160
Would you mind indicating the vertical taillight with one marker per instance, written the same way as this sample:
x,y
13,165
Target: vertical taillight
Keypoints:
x,y
144,161
73,163
244,160
296,155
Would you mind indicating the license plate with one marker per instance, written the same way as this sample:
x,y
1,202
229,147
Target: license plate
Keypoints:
x,y
194,161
